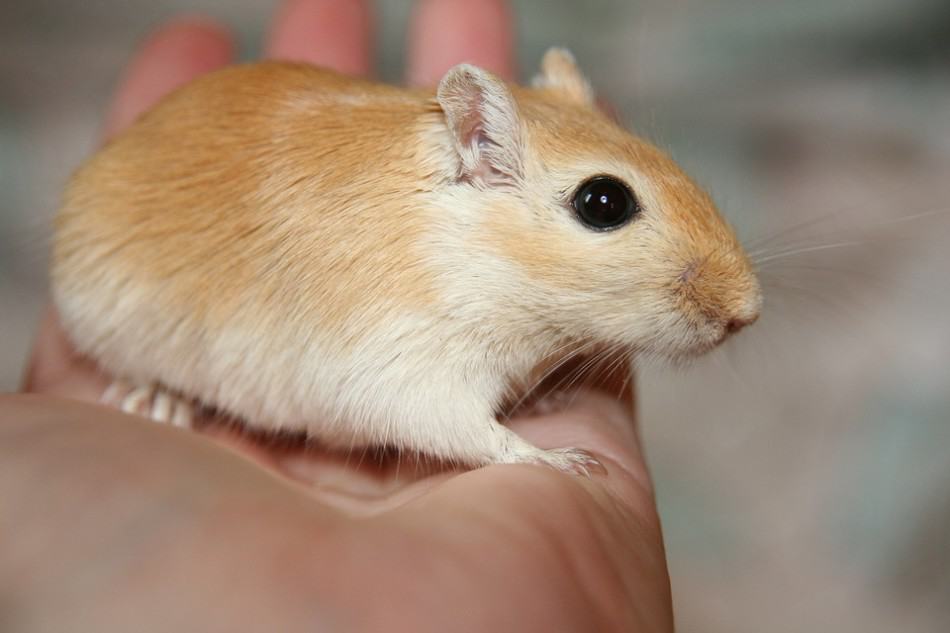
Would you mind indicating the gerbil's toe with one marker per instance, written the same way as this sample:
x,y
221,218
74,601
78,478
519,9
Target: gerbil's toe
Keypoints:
x,y
574,461
151,401
138,401
116,393
162,404
183,414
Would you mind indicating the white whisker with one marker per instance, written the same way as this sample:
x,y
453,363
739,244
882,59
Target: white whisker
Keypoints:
x,y
529,392
807,249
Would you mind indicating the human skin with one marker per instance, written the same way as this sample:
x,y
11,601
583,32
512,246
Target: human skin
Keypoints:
x,y
111,523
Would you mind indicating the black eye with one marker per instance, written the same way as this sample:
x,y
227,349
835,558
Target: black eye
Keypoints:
x,y
605,203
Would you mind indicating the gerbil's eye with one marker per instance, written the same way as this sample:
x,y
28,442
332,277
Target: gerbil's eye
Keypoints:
x,y
605,203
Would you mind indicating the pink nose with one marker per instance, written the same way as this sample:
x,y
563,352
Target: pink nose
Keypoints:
x,y
737,323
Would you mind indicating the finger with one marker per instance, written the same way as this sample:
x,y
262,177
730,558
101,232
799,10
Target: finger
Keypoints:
x,y
172,56
332,33
448,32
55,368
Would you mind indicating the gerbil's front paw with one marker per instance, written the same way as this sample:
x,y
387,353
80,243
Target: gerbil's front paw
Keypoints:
x,y
573,461
151,401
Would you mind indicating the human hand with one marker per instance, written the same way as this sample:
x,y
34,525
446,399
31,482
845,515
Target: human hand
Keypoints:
x,y
113,523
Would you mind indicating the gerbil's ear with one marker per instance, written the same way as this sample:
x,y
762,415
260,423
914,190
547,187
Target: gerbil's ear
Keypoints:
x,y
559,72
483,118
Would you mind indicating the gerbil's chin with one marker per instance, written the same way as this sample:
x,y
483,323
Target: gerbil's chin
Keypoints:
x,y
683,347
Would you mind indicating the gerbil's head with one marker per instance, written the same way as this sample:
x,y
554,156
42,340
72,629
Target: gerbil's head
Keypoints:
x,y
608,239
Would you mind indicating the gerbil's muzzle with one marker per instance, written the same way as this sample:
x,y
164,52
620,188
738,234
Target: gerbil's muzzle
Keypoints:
x,y
723,294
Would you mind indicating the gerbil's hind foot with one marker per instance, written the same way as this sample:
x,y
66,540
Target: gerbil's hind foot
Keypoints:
x,y
150,401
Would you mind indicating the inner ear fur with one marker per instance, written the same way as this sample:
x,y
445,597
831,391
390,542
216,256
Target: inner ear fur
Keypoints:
x,y
482,116
559,72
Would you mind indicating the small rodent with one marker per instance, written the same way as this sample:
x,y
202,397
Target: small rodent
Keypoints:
x,y
376,266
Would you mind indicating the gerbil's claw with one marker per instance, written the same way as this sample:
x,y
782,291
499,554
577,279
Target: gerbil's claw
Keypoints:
x,y
153,402
115,393
574,461
515,450
183,415
161,406
138,401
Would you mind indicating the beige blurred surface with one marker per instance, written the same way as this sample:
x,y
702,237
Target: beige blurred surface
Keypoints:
x,y
802,471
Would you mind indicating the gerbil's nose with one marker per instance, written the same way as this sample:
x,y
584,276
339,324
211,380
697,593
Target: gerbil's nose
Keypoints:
x,y
745,311
737,323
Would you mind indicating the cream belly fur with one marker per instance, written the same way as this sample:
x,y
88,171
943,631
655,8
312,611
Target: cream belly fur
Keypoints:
x,y
330,393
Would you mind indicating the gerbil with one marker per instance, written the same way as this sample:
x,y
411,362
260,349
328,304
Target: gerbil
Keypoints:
x,y
376,266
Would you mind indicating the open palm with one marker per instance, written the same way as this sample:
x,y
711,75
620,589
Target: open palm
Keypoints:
x,y
111,523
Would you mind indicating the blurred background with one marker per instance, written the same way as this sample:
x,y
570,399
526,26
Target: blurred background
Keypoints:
x,y
802,470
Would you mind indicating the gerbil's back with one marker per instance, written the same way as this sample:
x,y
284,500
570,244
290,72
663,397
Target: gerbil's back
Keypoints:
x,y
255,195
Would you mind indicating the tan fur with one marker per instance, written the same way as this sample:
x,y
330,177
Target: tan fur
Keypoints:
x,y
376,265
562,79
161,204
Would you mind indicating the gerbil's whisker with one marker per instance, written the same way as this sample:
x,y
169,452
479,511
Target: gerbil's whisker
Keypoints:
x,y
529,392
758,247
801,251
762,243
789,246
758,243
598,362
571,377
627,376
875,278
623,356
577,374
